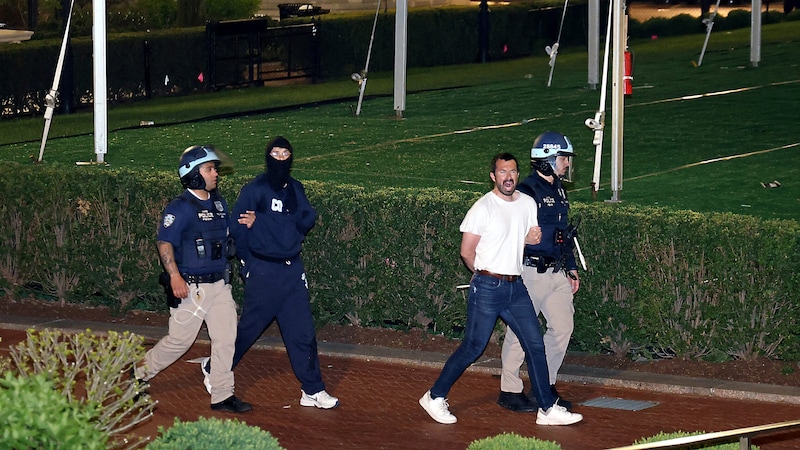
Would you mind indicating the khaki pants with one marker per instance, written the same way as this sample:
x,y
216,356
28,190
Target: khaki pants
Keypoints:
x,y
551,294
212,303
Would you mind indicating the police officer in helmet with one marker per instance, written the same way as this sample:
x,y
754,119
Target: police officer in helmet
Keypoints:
x,y
193,246
550,271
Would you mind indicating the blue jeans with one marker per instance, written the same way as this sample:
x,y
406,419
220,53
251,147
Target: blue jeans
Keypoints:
x,y
490,298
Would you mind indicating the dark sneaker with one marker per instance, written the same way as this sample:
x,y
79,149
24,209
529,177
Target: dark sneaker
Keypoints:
x,y
565,403
232,404
517,402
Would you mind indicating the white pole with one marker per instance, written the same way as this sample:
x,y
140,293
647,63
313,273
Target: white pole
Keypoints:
x,y
50,98
100,85
755,33
597,124
618,97
363,78
594,42
709,21
553,51
400,56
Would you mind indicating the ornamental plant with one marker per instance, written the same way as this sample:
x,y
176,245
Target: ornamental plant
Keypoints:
x,y
36,415
212,434
512,440
92,371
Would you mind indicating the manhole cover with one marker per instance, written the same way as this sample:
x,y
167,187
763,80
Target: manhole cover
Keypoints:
x,y
619,403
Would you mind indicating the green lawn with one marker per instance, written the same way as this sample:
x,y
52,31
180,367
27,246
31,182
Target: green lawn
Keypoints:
x,y
701,138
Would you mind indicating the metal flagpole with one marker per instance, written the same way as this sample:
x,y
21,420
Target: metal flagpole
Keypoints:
x,y
400,57
362,77
99,80
618,98
52,95
553,51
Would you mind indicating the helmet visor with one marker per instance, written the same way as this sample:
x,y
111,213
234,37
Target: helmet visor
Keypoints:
x,y
562,165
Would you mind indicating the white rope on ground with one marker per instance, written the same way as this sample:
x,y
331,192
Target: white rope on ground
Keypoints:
x,y
579,113
536,119
708,161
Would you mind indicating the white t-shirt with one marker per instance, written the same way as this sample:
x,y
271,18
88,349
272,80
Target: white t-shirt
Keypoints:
x,y
502,226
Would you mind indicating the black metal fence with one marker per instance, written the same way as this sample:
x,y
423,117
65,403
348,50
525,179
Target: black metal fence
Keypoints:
x,y
248,52
144,66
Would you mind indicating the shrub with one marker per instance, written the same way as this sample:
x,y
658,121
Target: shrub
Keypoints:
x,y
92,371
735,19
212,433
679,434
512,440
35,415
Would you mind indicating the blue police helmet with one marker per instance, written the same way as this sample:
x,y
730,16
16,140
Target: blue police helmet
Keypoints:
x,y
546,147
191,160
549,144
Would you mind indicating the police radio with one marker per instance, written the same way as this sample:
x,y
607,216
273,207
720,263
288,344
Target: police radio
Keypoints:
x,y
201,247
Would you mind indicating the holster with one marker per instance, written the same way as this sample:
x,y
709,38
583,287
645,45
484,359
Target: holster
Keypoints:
x,y
172,301
228,272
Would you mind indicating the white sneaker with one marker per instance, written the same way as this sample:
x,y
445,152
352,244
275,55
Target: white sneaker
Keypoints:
x,y
206,373
437,408
321,400
557,415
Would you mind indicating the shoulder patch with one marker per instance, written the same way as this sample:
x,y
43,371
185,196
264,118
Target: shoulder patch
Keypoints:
x,y
169,219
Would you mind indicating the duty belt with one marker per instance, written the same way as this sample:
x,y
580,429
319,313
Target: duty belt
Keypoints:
x,y
205,278
534,261
511,278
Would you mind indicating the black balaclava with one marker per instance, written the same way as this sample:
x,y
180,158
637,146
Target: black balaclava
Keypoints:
x,y
278,172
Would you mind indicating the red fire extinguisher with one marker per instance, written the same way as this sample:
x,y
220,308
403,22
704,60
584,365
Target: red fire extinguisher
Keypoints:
x,y
627,79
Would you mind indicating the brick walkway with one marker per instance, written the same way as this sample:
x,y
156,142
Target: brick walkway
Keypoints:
x,y
379,389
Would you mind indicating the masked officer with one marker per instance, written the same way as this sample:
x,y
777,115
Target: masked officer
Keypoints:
x,y
193,248
550,272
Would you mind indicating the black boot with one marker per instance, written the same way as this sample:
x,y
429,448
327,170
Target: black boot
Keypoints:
x,y
232,404
517,402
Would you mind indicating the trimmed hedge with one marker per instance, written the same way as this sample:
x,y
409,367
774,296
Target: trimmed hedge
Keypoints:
x,y
659,282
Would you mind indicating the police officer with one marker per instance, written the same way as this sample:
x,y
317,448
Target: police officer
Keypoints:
x,y
193,248
550,272
274,216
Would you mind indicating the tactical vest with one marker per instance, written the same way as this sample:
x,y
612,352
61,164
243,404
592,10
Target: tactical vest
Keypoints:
x,y
204,244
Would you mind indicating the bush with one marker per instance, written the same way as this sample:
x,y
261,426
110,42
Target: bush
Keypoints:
x,y
36,415
90,371
679,434
389,258
512,440
211,434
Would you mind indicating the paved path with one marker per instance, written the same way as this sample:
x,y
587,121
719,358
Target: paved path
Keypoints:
x,y
379,389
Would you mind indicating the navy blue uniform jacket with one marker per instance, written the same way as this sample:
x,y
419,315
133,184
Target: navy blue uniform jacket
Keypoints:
x,y
283,219
551,199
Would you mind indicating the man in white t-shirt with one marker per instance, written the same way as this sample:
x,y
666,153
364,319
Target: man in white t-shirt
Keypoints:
x,y
495,231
